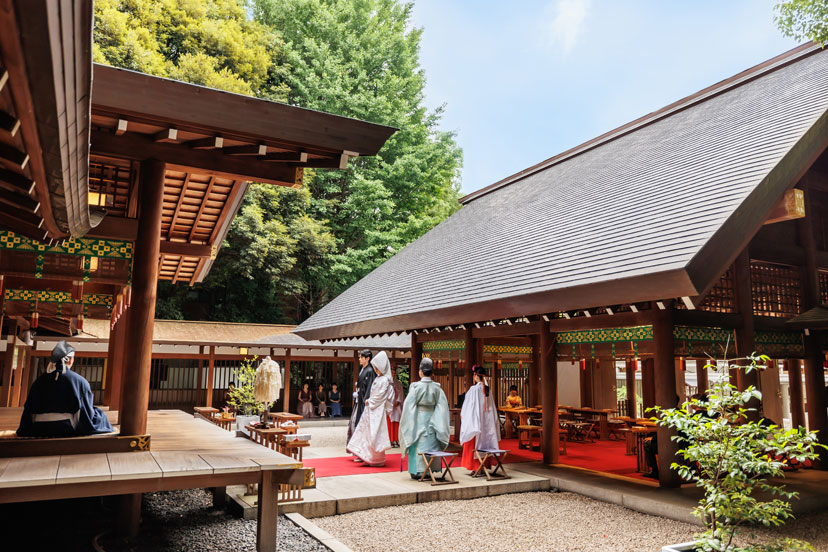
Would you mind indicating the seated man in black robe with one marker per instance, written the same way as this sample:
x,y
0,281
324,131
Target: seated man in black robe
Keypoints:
x,y
59,403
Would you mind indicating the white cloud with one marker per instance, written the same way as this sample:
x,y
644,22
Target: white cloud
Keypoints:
x,y
563,22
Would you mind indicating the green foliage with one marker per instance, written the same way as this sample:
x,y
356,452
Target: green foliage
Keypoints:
x,y
360,58
289,252
242,398
621,395
213,43
803,20
731,459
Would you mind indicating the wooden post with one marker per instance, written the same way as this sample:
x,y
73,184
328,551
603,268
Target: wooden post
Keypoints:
x,y
814,369
587,382
745,343
286,402
647,386
534,371
211,374
548,367
134,403
632,410
115,364
356,367
665,394
701,375
416,357
27,375
794,368
201,381
6,389
267,513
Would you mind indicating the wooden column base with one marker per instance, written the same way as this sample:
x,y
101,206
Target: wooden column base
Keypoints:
x,y
268,513
128,515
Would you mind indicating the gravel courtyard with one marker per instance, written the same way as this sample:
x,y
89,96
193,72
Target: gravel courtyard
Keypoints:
x,y
561,522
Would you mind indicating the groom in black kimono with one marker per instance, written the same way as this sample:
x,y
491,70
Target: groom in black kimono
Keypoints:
x,y
364,383
59,403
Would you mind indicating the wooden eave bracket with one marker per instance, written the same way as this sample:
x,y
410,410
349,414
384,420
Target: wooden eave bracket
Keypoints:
x,y
790,207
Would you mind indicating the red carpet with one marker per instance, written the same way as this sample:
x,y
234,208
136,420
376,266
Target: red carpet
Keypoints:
x,y
601,456
345,465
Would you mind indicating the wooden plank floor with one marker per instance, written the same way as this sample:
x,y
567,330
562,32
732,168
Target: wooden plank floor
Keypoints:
x,y
181,447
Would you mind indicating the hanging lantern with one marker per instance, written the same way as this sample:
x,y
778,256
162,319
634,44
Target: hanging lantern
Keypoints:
x,y
682,364
79,325
128,293
583,365
634,364
34,320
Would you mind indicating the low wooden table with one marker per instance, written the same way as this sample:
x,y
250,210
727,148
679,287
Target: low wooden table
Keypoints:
x,y
225,423
455,420
601,413
207,411
279,418
265,436
525,435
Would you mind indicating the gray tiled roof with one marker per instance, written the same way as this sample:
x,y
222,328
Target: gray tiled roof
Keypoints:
x,y
632,218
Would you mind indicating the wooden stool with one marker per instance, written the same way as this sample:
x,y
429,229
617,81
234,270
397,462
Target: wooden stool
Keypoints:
x,y
499,472
525,435
446,459
294,448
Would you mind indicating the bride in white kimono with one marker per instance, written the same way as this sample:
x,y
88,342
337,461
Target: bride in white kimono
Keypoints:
x,y
370,439
479,420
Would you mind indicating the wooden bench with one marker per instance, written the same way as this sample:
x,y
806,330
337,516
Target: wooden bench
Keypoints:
x,y
526,433
12,446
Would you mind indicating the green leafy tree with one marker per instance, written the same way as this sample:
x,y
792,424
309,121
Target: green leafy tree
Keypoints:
x,y
803,20
360,58
731,459
242,397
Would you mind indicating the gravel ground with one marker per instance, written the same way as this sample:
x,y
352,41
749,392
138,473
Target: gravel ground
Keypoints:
x,y
325,437
185,521
562,522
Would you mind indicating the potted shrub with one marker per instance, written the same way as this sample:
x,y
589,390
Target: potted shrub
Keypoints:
x,y
732,458
242,398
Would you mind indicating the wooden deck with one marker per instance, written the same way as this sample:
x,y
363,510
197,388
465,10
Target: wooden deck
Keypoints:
x,y
185,453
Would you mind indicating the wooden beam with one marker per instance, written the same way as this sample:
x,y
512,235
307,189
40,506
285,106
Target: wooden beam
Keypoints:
x,y
131,146
340,163
9,123
186,249
503,330
790,206
632,405
665,395
201,205
21,202
250,149
115,228
4,78
213,142
549,396
15,212
168,135
797,403
286,157
211,372
14,156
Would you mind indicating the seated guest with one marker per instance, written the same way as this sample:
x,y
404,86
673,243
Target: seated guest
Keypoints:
x,y
321,401
305,402
59,403
513,400
335,398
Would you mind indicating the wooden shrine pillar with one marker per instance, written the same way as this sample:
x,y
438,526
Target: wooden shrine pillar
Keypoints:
x,y
211,373
701,375
647,386
632,405
548,368
115,362
8,368
27,375
814,369
286,401
201,374
416,357
471,358
137,363
587,375
665,394
534,373
745,341
794,369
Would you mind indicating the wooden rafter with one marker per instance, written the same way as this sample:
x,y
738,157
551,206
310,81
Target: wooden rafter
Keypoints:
x,y
286,157
9,123
178,205
213,142
201,207
168,135
252,149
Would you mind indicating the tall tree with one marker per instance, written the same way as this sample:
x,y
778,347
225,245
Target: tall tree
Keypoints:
x,y
360,58
803,20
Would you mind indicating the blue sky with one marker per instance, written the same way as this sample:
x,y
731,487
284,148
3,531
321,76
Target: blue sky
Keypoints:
x,y
527,79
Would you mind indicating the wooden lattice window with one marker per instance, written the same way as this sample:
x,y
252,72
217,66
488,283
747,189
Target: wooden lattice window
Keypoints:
x,y
109,185
776,290
823,287
720,298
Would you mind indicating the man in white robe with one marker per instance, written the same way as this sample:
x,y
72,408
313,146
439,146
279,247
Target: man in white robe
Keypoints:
x,y
370,439
479,420
424,425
